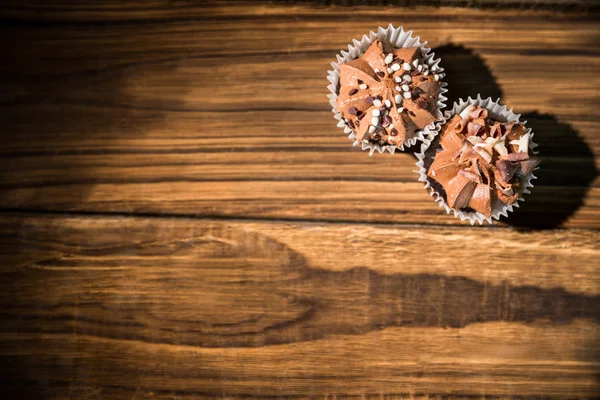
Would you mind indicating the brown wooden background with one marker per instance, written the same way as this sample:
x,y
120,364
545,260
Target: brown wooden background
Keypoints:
x,y
181,218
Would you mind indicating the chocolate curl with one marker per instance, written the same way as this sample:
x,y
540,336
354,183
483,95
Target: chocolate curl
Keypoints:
x,y
459,191
460,127
514,157
470,175
506,170
506,192
484,171
528,166
473,128
496,130
477,141
468,154
479,113
481,200
507,127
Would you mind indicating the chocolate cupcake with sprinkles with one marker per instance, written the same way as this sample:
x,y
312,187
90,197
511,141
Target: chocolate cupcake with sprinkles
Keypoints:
x,y
387,90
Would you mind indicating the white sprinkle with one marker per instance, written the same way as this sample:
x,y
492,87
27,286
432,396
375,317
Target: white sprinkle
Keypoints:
x,y
391,139
389,58
401,109
390,71
362,86
398,99
391,126
376,112
436,77
426,73
522,142
388,103
415,63
434,68
377,103
405,88
406,66
398,88
420,68
376,70
396,67
366,141
397,79
371,129
375,121
407,78
407,95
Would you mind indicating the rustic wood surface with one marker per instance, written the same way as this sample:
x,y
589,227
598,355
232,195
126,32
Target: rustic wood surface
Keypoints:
x,y
181,218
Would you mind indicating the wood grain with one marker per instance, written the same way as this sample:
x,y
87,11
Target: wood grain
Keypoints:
x,y
127,124
126,307
181,218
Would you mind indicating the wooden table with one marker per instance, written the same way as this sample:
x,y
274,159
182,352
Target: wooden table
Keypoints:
x,y
181,218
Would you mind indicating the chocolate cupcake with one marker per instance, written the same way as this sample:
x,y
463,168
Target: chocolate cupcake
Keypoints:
x,y
386,90
479,160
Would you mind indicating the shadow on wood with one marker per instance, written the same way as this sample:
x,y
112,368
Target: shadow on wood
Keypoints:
x,y
254,291
466,74
568,167
93,305
564,177
63,124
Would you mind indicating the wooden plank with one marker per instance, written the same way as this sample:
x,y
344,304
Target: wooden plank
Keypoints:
x,y
69,149
172,10
126,307
399,202
214,117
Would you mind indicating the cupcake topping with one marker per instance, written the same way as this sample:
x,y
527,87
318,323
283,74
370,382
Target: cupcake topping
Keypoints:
x,y
482,160
394,87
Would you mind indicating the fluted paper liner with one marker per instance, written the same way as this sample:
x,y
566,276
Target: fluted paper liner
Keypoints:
x,y
398,38
498,112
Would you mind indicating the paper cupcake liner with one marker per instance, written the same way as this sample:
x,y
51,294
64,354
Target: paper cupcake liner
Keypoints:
x,y
495,111
398,38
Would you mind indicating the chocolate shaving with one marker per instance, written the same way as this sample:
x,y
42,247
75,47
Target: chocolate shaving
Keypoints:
x,y
422,104
462,200
369,100
461,125
473,128
515,157
394,132
507,127
479,113
486,175
506,170
496,130
352,110
528,166
381,74
485,168
470,175
353,91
